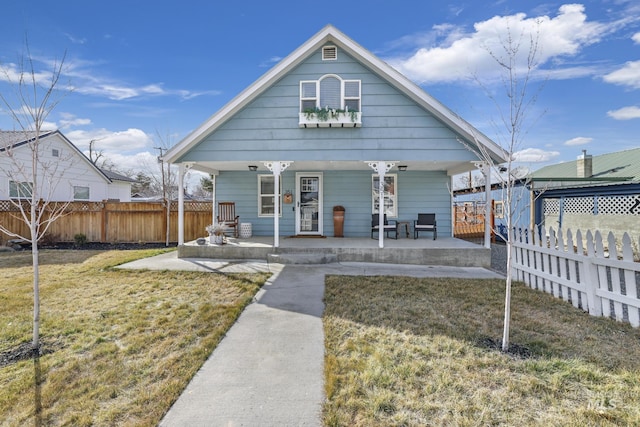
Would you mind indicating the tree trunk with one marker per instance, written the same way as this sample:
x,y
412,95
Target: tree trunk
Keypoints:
x,y
36,279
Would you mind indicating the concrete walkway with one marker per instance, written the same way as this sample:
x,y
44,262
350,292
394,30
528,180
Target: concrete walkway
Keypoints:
x,y
268,370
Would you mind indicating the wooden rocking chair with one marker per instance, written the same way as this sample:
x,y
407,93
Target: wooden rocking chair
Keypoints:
x,y
227,216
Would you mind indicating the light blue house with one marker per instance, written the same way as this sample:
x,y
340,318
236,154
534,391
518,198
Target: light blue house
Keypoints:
x,y
325,127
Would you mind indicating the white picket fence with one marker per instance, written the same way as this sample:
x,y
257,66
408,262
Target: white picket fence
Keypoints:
x,y
593,275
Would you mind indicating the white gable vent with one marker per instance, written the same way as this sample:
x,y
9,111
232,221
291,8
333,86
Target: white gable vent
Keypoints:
x,y
329,53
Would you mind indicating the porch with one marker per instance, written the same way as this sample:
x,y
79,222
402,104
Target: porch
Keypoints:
x,y
447,251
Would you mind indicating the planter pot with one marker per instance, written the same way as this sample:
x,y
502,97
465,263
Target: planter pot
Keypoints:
x,y
216,240
338,223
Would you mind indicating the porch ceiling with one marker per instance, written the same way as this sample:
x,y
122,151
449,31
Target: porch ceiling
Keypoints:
x,y
450,167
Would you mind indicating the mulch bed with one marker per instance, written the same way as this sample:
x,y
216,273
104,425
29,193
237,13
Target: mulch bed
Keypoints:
x,y
102,246
25,351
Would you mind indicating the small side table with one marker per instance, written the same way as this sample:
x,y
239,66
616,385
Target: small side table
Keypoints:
x,y
400,223
245,230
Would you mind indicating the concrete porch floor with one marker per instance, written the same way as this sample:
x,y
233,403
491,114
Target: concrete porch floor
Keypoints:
x,y
299,250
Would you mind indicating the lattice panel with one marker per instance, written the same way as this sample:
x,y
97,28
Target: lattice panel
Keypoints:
x,y
551,207
189,206
579,205
9,206
619,205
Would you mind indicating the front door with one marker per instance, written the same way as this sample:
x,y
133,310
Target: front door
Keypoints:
x,y
309,203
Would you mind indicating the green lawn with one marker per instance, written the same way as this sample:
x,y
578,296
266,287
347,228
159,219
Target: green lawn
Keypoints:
x,y
124,344
425,352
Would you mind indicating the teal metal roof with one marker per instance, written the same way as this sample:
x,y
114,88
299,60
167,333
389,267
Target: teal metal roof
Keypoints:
x,y
616,167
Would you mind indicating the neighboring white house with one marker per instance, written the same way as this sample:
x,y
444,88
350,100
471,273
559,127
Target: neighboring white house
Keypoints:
x,y
64,172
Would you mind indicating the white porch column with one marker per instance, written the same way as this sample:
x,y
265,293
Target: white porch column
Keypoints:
x,y
183,168
213,199
276,168
486,172
381,168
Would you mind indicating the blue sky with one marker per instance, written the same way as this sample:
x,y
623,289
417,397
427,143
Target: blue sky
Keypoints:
x,y
145,74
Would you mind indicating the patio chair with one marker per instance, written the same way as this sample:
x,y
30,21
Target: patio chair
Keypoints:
x,y
388,228
227,216
425,222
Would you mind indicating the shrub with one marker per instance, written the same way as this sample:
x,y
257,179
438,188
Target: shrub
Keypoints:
x,y
80,239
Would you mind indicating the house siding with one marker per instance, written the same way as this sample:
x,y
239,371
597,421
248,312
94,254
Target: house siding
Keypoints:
x,y
394,127
69,169
417,192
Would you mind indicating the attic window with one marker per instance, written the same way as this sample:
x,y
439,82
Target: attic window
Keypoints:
x,y
55,153
329,53
330,102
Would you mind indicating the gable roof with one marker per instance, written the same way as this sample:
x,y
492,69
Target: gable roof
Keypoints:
x,y
17,139
114,176
618,166
329,34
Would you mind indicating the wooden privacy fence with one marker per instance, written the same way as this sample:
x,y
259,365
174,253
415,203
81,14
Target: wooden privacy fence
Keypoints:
x,y
469,220
116,222
602,280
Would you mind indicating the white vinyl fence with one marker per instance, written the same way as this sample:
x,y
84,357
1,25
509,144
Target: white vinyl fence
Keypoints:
x,y
593,275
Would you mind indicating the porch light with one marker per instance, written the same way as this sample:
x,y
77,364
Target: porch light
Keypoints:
x,y
402,168
253,168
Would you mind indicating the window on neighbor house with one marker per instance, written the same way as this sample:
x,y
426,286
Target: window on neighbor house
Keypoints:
x,y
267,195
55,152
20,190
390,198
80,192
330,91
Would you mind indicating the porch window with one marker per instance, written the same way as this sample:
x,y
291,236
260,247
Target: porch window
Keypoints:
x,y
80,192
390,195
20,190
267,195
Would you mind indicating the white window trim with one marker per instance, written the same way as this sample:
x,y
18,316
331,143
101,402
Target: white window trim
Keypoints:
x,y
342,95
18,185
79,187
391,212
260,195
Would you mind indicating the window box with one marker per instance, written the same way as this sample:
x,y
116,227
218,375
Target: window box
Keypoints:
x,y
330,119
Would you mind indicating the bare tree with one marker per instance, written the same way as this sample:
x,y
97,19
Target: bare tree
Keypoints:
x,y
168,179
517,57
34,176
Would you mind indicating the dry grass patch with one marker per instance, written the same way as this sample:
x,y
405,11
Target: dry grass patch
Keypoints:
x,y
124,343
417,352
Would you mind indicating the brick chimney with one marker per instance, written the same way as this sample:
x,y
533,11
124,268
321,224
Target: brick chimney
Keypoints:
x,y
585,165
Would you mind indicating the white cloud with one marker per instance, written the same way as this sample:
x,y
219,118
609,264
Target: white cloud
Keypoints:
x,y
69,119
461,55
636,38
111,142
626,113
534,155
143,161
629,75
580,140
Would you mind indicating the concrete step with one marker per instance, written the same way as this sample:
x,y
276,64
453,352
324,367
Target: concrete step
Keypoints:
x,y
286,258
